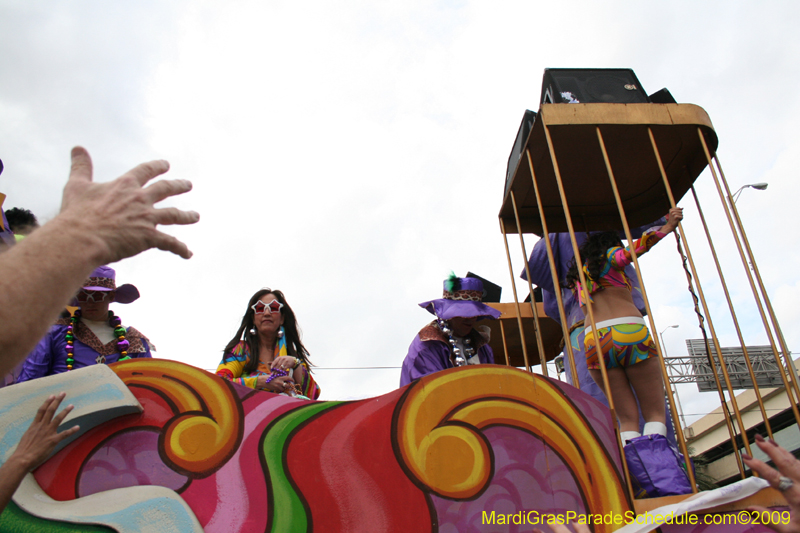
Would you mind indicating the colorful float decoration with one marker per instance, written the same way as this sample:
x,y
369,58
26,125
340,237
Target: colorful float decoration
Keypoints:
x,y
168,447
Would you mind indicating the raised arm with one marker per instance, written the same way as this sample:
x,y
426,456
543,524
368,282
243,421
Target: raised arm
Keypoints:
x,y
621,257
99,223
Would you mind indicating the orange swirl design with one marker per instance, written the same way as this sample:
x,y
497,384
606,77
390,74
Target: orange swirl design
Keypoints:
x,y
207,427
439,441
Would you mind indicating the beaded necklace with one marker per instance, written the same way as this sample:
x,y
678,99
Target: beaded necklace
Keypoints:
x,y
459,359
119,332
279,373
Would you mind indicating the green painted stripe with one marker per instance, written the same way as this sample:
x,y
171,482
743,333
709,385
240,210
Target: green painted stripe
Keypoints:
x,y
288,513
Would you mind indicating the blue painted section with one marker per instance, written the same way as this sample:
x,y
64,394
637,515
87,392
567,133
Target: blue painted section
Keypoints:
x,y
166,515
85,396
86,391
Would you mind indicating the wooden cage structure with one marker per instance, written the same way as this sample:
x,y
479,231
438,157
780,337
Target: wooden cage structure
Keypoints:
x,y
601,167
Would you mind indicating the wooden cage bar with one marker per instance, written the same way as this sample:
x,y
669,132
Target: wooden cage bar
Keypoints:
x,y
537,328
554,275
516,304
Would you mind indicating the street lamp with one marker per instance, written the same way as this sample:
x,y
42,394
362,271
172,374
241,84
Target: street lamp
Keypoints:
x,y
663,346
759,186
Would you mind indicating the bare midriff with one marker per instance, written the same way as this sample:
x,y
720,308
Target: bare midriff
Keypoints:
x,y
611,302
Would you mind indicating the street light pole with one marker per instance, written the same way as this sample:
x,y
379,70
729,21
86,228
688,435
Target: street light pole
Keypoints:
x,y
674,389
735,196
661,334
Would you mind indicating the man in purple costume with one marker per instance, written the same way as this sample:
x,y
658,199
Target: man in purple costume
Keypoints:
x,y
99,223
95,340
452,339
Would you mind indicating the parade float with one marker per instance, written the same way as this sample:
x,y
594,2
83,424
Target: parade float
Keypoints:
x,y
166,447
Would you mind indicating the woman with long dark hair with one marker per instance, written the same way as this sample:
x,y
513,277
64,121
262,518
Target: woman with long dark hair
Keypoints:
x,y
622,337
267,353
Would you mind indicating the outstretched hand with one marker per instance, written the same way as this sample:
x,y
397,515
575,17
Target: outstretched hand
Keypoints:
x,y
120,214
788,475
42,436
674,217
36,445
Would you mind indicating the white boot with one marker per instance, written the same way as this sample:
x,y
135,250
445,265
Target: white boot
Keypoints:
x,y
628,435
652,428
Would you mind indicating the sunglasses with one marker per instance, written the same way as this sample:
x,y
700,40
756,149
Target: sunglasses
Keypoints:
x,y
85,296
260,307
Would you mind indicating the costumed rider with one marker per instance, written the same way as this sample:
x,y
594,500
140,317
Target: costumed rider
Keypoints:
x,y
563,256
92,335
452,339
623,345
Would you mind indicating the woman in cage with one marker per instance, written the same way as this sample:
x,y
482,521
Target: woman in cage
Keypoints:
x,y
622,340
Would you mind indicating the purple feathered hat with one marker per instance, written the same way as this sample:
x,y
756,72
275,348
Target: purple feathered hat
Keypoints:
x,y
104,279
462,298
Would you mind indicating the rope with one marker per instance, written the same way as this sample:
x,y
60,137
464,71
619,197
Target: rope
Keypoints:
x,y
700,319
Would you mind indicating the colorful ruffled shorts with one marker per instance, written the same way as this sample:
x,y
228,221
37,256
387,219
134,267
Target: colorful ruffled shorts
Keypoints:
x,y
622,345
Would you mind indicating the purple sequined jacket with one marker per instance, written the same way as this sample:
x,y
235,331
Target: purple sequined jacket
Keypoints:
x,y
429,353
50,355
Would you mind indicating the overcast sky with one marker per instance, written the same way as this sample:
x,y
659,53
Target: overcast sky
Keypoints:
x,y
352,153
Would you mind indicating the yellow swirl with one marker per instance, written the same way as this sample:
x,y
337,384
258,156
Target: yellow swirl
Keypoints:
x,y
438,433
207,427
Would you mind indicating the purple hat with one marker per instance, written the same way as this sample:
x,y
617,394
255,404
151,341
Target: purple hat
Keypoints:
x,y
461,298
103,279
